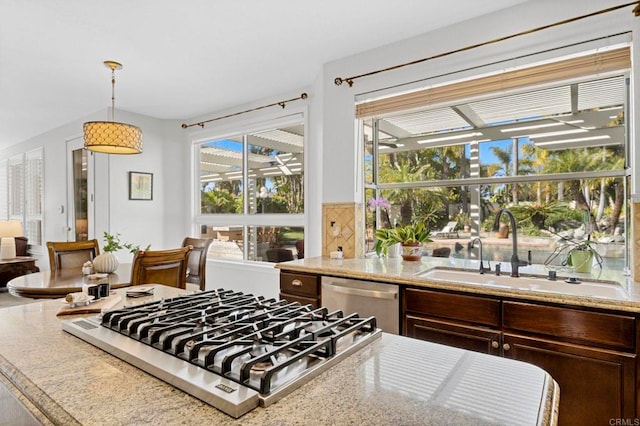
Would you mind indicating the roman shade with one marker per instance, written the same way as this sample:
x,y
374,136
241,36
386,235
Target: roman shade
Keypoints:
x,y
589,65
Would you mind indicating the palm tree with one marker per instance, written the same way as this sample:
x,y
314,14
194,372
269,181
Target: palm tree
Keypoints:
x,y
539,158
523,164
577,160
407,167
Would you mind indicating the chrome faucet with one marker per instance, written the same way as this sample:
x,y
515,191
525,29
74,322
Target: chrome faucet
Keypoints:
x,y
472,243
516,263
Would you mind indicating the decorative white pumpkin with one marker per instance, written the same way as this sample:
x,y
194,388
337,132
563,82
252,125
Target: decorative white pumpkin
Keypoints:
x,y
105,263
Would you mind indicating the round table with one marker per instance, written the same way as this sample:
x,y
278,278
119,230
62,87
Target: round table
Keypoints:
x,y
60,282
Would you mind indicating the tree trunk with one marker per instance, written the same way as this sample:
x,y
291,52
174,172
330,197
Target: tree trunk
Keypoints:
x,y
602,202
406,212
560,191
514,188
582,203
617,206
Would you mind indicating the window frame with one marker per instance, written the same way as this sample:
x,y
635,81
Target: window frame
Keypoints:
x,y
625,174
242,127
30,194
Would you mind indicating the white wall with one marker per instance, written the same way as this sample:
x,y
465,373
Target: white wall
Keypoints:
x,y
139,222
330,129
259,279
338,130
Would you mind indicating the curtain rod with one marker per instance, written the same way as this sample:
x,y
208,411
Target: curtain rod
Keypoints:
x,y
281,104
349,80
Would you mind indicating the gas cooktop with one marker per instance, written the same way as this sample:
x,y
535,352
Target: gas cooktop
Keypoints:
x,y
232,350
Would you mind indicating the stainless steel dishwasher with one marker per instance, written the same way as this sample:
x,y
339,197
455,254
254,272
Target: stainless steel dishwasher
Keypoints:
x,y
364,297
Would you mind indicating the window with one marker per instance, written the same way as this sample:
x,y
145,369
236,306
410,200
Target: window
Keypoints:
x,y
251,192
555,154
21,192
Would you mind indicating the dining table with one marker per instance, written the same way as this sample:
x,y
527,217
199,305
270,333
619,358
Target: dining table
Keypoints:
x,y
53,284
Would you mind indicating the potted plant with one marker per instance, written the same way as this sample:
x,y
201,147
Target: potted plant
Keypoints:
x,y
578,255
409,236
464,221
107,261
581,255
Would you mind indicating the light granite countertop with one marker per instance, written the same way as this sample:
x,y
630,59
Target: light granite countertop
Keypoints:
x,y
393,380
622,293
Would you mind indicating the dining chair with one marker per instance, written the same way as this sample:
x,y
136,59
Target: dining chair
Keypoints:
x,y
168,267
300,248
279,255
197,264
71,254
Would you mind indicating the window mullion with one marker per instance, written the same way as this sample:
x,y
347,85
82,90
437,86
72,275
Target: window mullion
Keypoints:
x,y
247,192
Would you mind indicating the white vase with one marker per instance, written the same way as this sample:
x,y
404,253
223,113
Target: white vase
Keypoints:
x,y
105,263
394,250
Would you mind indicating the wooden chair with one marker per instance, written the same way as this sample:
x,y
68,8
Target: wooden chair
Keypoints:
x,y
197,263
168,267
300,248
71,254
279,255
22,246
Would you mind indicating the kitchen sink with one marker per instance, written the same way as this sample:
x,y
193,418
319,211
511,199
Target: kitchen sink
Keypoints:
x,y
598,289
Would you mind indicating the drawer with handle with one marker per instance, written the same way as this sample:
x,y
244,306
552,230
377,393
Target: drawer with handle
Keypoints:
x,y
299,284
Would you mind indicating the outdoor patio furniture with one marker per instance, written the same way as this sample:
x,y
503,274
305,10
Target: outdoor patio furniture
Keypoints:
x,y
441,252
448,231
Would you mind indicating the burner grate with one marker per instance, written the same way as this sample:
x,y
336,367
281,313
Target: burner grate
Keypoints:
x,y
251,340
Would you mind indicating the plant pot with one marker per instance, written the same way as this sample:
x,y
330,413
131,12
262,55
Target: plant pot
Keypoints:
x,y
105,263
581,260
503,231
412,251
394,251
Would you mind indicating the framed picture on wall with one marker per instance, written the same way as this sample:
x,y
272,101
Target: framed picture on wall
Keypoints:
x,y
140,186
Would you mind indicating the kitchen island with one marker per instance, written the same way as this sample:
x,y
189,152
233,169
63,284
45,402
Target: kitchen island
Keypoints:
x,y
393,380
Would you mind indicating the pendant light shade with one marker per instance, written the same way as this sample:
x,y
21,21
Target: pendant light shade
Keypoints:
x,y
111,137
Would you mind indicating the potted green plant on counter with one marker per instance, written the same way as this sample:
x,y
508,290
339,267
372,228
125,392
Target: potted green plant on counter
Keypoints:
x,y
409,236
107,261
581,255
578,255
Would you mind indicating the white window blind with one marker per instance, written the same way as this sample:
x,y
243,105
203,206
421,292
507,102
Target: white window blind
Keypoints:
x,y
33,196
4,194
21,192
16,187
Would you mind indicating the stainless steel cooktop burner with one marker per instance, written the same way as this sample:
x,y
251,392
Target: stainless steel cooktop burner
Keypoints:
x,y
233,350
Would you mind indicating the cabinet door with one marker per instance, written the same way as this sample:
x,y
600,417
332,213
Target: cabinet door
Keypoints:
x,y
476,339
301,299
595,385
300,284
475,310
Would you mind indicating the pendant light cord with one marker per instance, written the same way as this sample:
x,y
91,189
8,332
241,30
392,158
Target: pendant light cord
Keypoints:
x,y
113,94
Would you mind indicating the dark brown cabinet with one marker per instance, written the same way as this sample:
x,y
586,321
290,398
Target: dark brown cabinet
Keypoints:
x,y
12,268
303,288
463,321
477,339
590,353
595,385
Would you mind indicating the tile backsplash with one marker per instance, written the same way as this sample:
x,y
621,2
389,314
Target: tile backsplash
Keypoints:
x,y
342,226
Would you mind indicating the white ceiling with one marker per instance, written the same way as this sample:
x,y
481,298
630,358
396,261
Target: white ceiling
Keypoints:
x,y
187,58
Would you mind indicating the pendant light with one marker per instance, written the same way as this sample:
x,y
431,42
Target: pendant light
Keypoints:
x,y
111,137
